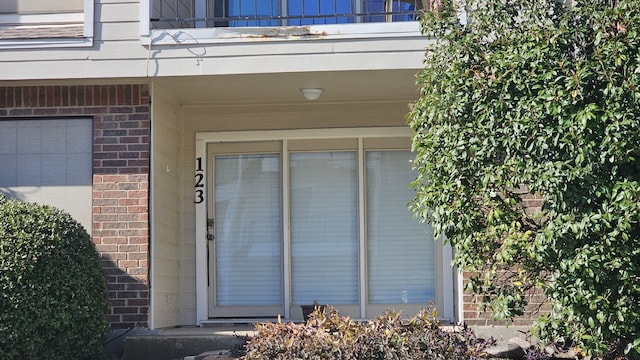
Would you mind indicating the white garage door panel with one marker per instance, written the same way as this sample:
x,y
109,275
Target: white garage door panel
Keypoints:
x,y
76,200
49,162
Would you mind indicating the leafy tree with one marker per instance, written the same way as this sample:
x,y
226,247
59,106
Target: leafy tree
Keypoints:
x,y
537,98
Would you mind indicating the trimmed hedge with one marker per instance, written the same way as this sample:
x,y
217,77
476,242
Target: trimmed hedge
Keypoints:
x,y
330,336
53,295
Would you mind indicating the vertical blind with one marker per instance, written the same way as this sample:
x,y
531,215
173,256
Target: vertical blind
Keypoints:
x,y
400,249
324,235
248,229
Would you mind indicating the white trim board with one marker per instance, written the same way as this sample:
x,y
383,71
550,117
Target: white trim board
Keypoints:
x,y
301,134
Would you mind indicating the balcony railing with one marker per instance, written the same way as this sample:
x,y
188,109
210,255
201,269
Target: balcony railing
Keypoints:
x,y
167,14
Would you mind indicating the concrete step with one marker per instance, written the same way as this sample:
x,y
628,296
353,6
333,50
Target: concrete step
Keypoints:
x,y
178,343
210,355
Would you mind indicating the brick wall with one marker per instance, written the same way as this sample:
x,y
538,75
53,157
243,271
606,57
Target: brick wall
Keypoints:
x,y
473,316
121,143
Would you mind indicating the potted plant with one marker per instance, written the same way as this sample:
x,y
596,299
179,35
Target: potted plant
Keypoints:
x,y
308,309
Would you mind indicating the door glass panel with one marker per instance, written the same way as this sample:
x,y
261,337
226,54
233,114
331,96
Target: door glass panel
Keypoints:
x,y
324,236
248,229
400,249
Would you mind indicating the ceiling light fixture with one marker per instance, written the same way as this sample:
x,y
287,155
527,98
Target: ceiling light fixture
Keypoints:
x,y
311,93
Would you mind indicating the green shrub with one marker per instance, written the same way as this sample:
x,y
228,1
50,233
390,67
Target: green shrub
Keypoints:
x,y
330,336
525,100
53,300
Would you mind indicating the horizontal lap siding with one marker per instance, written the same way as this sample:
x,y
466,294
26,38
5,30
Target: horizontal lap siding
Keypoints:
x,y
116,51
121,143
168,266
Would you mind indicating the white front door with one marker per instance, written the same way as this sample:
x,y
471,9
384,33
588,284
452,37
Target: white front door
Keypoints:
x,y
245,253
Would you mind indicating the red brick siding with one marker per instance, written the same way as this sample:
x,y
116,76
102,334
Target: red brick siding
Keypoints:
x,y
121,143
473,316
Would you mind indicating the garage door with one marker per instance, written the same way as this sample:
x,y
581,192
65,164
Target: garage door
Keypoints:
x,y
49,162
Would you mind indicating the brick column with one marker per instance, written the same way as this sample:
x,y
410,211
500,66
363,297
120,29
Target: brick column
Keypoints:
x,y
121,234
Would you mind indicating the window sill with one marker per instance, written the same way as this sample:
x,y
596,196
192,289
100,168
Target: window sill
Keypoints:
x,y
44,43
283,33
47,30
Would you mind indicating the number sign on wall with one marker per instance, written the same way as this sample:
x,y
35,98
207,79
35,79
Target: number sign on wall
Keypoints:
x,y
199,183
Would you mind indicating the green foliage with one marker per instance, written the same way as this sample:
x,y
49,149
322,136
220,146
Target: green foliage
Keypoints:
x,y
537,99
327,335
53,301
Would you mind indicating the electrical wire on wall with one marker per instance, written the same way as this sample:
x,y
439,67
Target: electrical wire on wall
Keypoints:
x,y
179,38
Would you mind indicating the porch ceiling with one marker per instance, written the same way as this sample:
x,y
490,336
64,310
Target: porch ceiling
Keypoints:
x,y
281,88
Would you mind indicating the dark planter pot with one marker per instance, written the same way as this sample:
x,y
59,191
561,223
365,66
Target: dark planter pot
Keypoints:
x,y
308,309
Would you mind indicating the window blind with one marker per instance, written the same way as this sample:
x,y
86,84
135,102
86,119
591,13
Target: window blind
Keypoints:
x,y
248,229
324,236
400,249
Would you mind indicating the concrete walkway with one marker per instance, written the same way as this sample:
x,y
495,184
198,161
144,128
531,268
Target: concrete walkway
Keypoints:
x,y
239,329
180,342
217,339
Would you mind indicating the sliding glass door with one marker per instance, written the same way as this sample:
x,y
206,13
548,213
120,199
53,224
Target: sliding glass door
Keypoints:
x,y
324,233
400,249
248,233
300,221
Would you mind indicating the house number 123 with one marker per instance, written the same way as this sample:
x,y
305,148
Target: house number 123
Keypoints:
x,y
199,182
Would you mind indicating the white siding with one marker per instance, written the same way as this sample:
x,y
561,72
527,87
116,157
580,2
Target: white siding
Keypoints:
x,y
39,6
116,26
110,13
118,52
166,269
188,231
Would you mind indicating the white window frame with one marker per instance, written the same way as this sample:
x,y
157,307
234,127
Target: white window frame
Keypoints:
x,y
214,35
33,20
445,282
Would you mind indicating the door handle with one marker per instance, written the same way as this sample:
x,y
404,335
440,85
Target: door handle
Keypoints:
x,y
211,229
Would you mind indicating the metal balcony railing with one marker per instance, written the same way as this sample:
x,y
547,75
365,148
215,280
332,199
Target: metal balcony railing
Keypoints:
x,y
167,14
